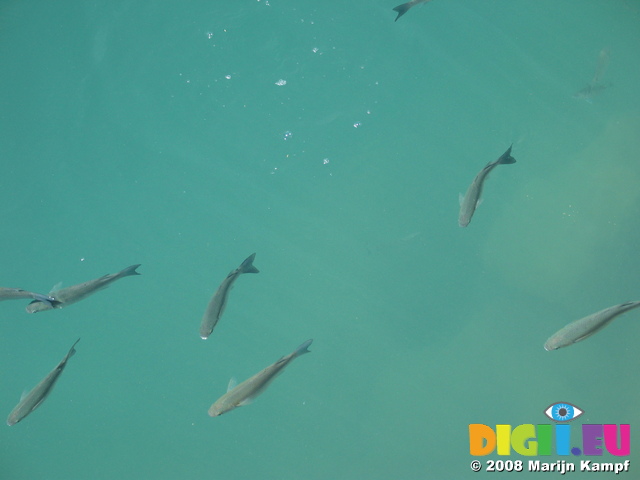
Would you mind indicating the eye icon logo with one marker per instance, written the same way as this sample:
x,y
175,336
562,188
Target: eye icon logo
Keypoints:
x,y
562,412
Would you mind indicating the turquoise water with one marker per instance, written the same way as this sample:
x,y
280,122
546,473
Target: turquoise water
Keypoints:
x,y
162,133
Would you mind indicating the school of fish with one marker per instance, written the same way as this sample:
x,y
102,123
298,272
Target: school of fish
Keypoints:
x,y
244,393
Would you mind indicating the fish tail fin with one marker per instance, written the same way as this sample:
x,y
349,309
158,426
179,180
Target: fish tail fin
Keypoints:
x,y
130,271
247,265
506,157
72,350
304,348
402,9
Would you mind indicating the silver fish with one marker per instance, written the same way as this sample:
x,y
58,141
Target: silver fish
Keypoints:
x,y
32,400
17,293
247,391
471,200
587,326
218,302
75,293
404,8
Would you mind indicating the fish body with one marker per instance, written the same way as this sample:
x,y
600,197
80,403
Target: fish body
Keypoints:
x,y
587,326
32,400
471,200
75,293
218,301
404,8
248,390
596,85
17,293
601,67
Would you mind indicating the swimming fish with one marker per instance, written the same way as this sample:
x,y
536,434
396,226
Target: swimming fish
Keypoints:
x,y
218,302
32,400
17,293
75,293
247,391
404,8
587,326
471,200
596,85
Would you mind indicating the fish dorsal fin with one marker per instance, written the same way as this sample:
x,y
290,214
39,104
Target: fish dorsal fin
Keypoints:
x,y
24,394
232,384
460,198
55,288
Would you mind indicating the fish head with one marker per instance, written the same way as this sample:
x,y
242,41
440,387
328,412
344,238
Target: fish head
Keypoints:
x,y
38,306
13,418
552,344
216,410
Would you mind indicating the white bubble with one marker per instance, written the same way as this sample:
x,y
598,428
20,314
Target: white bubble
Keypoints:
x,y
281,82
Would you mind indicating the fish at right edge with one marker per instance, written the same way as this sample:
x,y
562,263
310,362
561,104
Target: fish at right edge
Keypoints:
x,y
32,400
471,200
587,326
218,302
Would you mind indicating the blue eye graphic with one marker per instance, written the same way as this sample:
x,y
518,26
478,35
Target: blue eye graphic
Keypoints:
x,y
562,412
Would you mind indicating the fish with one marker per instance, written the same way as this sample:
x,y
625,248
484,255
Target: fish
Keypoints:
x,y
17,293
247,391
218,301
404,8
32,400
587,326
75,293
596,85
471,200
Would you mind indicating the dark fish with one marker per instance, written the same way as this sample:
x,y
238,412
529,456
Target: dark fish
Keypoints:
x,y
471,200
32,400
247,391
587,326
75,293
218,302
404,8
